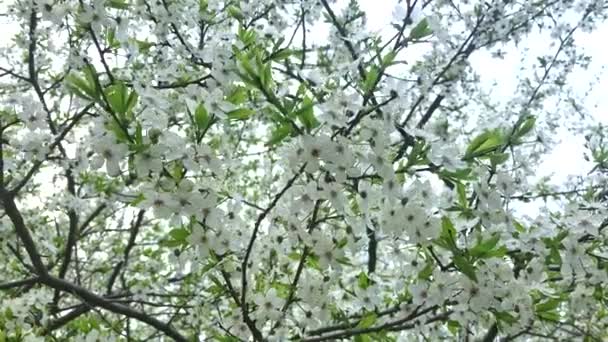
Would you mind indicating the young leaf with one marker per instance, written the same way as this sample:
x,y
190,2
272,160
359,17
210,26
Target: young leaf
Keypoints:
x,y
484,143
368,320
482,249
465,266
306,114
240,114
421,30
201,117
527,126
279,134
370,78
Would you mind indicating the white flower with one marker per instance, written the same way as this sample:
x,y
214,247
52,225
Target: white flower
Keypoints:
x,y
34,146
585,223
413,217
313,148
422,193
421,232
202,240
163,206
327,252
400,12
335,194
368,298
446,156
122,29
216,105
32,114
111,152
95,15
208,211
238,327
505,184
534,272
391,221
382,166
488,198
208,161
269,305
52,11
420,293
149,160
304,197
187,202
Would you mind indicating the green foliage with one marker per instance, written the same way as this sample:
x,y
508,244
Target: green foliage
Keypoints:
x,y
484,143
85,86
421,30
465,265
368,320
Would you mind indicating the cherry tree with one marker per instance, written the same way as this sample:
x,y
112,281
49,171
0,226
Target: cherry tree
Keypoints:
x,y
213,171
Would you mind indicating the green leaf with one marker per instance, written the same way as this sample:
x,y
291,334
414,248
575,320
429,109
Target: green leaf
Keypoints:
x,y
118,4
246,65
421,30
306,114
139,135
266,76
426,272
505,317
111,38
551,316
143,46
235,12
518,226
118,97
461,174
238,95
282,54
202,6
370,78
282,289
482,249
447,239
81,88
498,158
462,195
363,338
201,117
522,128
362,280
90,74
465,267
453,327
225,338
240,114
389,58
527,126
132,101
179,234
118,131
294,256
484,143
344,261
549,305
279,134
368,320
